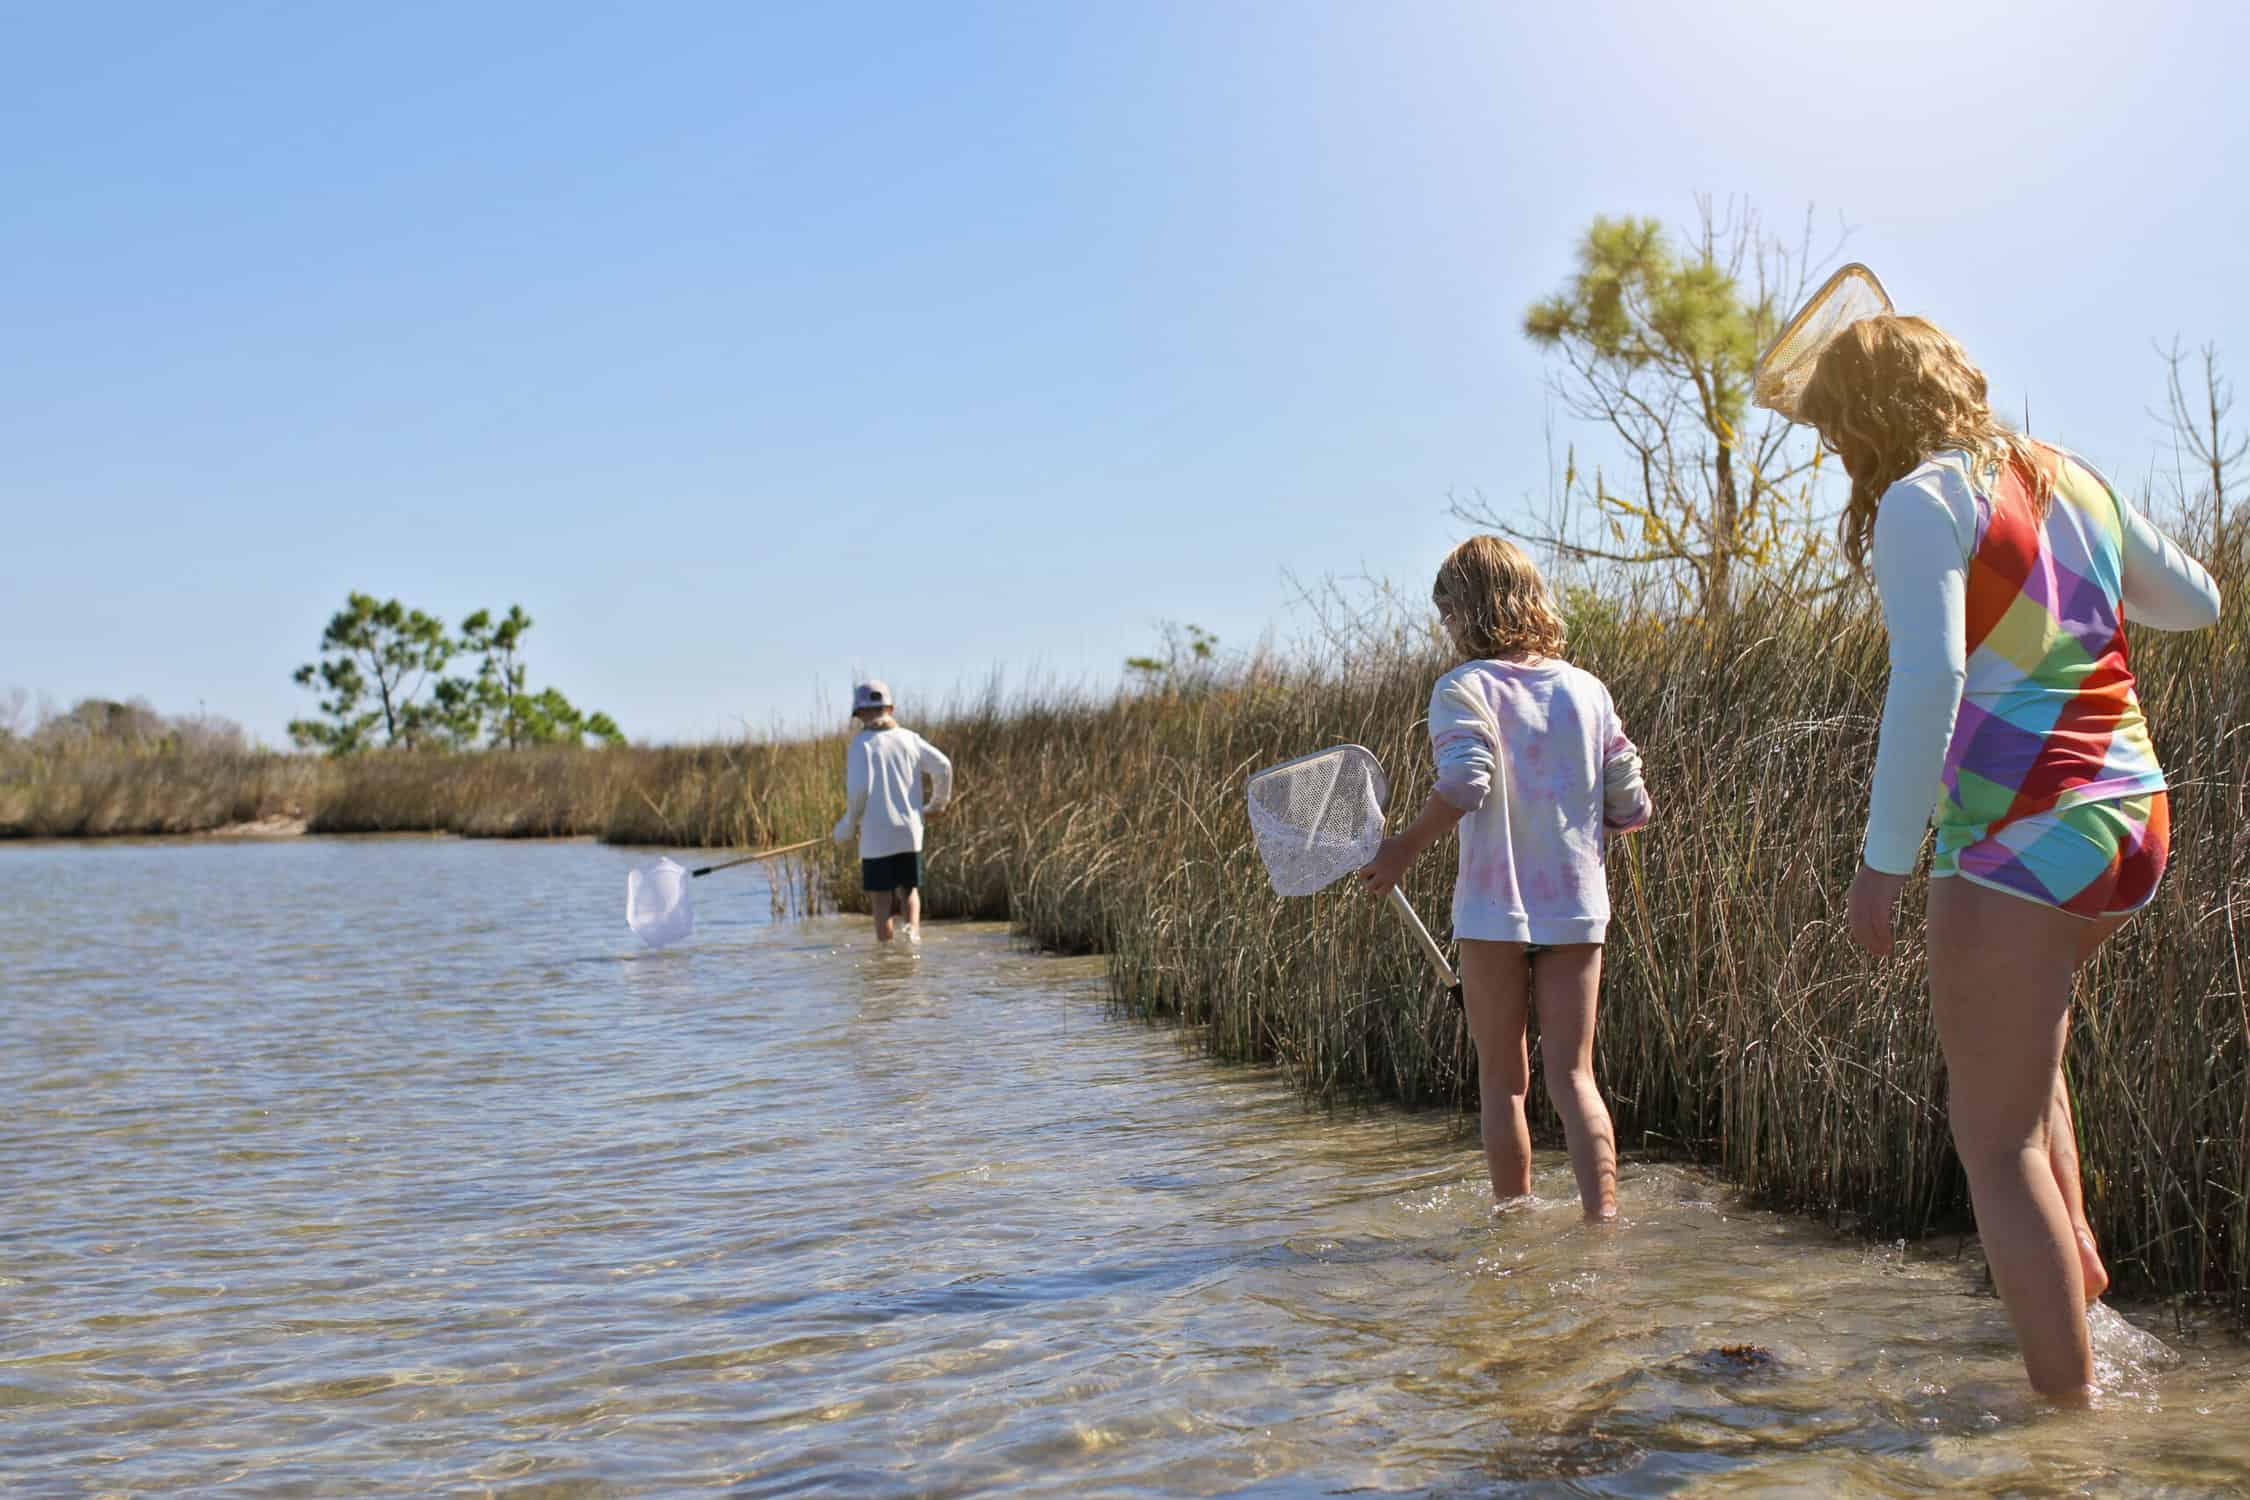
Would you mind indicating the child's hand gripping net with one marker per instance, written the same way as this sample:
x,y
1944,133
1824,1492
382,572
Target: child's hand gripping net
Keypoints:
x,y
1317,818
1851,294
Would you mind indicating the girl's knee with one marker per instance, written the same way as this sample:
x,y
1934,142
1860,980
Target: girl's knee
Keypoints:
x,y
1576,1075
1999,1155
1503,1077
1566,1056
1568,1088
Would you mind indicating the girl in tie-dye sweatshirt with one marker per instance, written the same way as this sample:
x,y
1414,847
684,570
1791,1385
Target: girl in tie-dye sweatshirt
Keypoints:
x,y
1536,771
2007,570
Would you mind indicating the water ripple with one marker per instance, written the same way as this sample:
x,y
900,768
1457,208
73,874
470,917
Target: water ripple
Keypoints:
x,y
392,1167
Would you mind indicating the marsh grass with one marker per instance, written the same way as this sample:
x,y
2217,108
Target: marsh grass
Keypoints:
x,y
82,790
1739,1026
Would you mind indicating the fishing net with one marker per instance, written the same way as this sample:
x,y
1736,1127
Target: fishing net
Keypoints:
x,y
1317,818
1851,294
1320,817
657,907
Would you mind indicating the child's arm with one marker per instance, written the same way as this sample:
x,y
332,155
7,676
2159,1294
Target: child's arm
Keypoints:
x,y
1461,741
2162,587
1625,803
855,794
1922,544
2165,589
1921,578
1465,743
940,772
1401,849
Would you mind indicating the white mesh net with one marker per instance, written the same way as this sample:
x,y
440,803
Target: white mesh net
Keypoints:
x,y
656,903
1317,818
1851,294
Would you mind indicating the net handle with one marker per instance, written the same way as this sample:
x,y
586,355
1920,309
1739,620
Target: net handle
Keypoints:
x,y
747,858
1405,910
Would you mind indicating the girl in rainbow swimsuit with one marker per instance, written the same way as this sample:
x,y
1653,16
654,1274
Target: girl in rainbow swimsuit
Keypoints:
x,y
2007,569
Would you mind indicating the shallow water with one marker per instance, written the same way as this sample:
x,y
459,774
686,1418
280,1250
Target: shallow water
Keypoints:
x,y
394,1167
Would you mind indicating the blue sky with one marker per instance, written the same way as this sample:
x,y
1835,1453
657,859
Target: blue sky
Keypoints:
x,y
744,345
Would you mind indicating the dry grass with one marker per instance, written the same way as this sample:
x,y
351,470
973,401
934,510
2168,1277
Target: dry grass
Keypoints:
x,y
1739,1026
95,790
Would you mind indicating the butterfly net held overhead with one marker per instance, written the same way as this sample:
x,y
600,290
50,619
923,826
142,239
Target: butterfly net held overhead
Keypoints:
x,y
1317,818
1851,294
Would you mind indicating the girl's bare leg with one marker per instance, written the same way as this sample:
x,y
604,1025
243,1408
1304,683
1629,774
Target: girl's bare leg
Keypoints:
x,y
1566,985
879,902
914,914
1495,990
2062,1138
2000,973
2062,1160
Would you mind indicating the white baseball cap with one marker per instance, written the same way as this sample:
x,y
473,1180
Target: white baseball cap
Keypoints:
x,y
871,694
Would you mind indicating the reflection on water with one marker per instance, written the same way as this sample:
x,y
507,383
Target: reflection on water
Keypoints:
x,y
394,1167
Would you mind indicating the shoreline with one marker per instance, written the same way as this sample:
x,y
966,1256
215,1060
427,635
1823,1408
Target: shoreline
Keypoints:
x,y
273,826
283,826
279,828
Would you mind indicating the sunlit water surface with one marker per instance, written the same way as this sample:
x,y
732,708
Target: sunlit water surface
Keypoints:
x,y
394,1167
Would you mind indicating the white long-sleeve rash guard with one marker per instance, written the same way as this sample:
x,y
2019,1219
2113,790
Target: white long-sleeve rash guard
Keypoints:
x,y
1925,534
883,773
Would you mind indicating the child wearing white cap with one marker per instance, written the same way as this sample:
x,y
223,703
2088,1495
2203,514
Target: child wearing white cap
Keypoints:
x,y
883,770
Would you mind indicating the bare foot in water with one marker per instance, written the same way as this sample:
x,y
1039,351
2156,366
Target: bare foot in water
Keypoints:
x,y
2090,1266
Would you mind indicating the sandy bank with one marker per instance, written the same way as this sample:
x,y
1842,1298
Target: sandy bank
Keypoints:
x,y
276,826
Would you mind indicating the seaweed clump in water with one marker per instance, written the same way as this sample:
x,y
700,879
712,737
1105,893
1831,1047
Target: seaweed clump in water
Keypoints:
x,y
1737,1359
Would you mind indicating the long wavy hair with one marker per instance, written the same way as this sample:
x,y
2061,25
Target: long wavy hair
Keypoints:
x,y
1494,601
1889,392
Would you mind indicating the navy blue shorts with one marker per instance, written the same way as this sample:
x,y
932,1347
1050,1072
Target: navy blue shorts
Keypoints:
x,y
893,872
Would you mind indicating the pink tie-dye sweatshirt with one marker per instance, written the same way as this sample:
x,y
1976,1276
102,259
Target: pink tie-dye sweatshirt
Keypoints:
x,y
1534,756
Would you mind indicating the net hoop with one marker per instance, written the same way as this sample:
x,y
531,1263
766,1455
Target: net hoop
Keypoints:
x,y
1309,836
1786,363
657,907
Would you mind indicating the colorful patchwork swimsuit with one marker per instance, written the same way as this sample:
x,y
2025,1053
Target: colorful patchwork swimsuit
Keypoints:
x,y
2048,787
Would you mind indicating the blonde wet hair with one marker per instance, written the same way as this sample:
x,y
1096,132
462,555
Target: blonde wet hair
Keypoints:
x,y
1890,391
1493,599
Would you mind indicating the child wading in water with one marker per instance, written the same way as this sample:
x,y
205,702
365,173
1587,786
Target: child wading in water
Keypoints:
x,y
2007,569
883,770
1534,767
